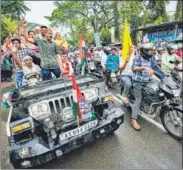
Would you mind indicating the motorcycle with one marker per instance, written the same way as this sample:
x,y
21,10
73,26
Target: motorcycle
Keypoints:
x,y
114,80
97,62
90,65
162,101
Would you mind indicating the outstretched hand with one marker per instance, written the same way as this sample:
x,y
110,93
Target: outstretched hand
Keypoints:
x,y
24,22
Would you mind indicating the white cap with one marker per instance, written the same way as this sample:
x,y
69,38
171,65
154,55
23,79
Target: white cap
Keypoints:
x,y
27,57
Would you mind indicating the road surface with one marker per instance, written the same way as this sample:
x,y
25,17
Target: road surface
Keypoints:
x,y
125,149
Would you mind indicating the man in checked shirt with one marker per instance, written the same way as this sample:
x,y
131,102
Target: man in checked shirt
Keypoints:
x,y
17,53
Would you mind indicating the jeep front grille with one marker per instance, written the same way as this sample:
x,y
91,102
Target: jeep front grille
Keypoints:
x,y
56,106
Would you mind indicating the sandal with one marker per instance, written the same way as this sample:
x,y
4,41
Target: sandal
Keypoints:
x,y
135,125
125,100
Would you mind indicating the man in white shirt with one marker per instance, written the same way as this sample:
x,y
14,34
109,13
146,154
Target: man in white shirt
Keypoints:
x,y
100,55
29,67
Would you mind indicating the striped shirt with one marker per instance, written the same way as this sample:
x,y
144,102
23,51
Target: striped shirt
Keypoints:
x,y
21,53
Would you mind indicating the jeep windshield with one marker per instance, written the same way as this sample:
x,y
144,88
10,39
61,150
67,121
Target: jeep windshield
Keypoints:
x,y
54,85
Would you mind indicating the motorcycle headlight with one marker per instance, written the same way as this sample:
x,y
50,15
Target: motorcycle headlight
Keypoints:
x,y
91,94
40,110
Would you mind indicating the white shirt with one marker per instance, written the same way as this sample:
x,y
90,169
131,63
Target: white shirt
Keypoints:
x,y
128,69
102,56
27,70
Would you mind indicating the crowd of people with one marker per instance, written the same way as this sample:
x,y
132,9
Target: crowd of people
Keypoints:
x,y
38,51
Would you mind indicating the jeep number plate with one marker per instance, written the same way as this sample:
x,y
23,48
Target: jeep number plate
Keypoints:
x,y
78,130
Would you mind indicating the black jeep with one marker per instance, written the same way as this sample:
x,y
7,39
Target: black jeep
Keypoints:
x,y
42,127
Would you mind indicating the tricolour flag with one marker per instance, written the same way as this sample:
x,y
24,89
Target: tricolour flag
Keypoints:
x,y
127,42
81,108
76,99
82,51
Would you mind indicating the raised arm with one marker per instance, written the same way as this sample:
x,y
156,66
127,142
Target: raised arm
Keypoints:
x,y
18,30
24,23
15,58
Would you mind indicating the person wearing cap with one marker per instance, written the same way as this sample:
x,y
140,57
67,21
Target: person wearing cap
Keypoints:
x,y
17,53
170,56
29,67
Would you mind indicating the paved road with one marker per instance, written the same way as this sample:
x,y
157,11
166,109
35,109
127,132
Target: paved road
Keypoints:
x,y
127,148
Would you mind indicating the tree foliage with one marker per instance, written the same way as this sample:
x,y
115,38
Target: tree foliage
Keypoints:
x,y
157,10
178,12
8,24
14,9
83,17
11,11
105,35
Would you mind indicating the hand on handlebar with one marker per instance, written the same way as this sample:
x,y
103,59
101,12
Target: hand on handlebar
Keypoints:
x,y
149,70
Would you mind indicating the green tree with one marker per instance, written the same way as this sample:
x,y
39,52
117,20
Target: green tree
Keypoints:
x,y
82,17
14,9
157,11
178,12
105,35
116,20
132,11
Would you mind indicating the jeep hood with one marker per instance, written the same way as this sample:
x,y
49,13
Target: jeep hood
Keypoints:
x,y
55,85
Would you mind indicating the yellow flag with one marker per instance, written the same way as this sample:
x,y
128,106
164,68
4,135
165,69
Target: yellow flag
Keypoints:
x,y
127,42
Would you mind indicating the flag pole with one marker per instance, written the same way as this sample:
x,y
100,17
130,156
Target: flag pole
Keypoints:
x,y
77,121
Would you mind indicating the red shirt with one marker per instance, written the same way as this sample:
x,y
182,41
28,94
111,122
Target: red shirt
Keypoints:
x,y
88,54
179,53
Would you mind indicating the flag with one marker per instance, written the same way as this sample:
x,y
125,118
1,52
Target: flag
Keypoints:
x,y
76,99
82,51
81,108
127,42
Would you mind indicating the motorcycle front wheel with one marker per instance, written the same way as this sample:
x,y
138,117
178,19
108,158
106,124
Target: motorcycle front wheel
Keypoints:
x,y
172,122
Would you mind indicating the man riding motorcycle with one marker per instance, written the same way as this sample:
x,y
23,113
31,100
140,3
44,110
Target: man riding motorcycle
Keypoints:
x,y
143,68
112,64
170,58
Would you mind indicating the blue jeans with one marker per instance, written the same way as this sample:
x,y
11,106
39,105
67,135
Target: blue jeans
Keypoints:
x,y
47,73
19,79
127,82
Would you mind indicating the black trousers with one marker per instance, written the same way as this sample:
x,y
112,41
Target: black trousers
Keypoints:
x,y
6,74
107,73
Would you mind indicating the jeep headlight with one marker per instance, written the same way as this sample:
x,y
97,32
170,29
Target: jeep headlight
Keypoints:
x,y
40,110
91,94
67,114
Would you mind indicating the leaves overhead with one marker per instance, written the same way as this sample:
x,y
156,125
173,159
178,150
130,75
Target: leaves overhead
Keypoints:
x,y
178,12
14,9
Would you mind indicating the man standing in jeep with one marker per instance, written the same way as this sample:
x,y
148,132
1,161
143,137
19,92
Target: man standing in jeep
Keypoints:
x,y
50,53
